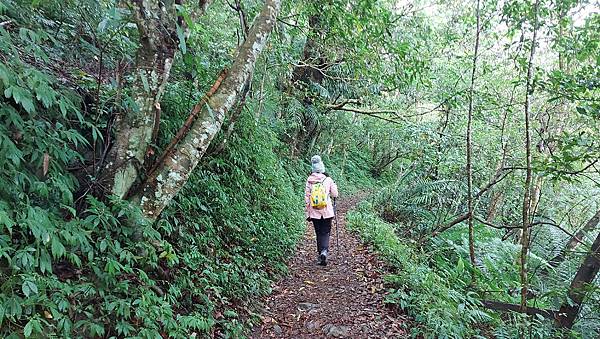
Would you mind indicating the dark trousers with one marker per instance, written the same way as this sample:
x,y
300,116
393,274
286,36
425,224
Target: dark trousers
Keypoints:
x,y
322,230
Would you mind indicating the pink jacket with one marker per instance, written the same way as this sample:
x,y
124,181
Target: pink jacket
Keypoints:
x,y
331,189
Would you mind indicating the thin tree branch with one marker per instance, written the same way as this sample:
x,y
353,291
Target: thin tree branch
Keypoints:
x,y
496,179
487,223
501,306
449,225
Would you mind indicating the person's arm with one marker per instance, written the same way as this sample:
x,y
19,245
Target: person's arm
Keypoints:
x,y
333,190
306,198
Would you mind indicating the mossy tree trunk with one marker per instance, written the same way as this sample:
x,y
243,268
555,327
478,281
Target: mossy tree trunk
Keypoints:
x,y
137,128
172,173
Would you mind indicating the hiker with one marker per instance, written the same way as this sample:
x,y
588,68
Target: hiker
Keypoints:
x,y
320,188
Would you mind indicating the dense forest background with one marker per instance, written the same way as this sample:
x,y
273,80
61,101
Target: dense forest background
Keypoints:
x,y
153,157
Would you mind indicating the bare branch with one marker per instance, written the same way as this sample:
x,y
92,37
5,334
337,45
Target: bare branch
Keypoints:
x,y
449,225
501,306
496,179
373,113
485,222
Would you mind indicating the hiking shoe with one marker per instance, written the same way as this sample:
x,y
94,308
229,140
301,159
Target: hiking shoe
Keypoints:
x,y
323,258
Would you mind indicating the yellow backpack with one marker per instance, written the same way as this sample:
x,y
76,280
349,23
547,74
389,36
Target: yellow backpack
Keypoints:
x,y
318,195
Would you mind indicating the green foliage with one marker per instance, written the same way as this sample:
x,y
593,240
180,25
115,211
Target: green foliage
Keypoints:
x,y
76,263
419,203
435,297
434,284
238,217
73,264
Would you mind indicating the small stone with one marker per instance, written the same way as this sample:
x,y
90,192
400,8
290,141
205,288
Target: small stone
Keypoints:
x,y
277,329
307,306
337,331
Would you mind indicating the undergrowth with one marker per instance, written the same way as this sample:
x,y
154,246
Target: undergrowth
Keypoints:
x,y
70,265
434,299
436,285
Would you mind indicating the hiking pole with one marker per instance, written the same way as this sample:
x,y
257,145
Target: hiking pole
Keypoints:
x,y
337,235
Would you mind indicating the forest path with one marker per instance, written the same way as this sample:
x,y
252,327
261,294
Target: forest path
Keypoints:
x,y
341,300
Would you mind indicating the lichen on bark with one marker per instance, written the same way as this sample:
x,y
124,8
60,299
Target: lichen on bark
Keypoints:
x,y
176,168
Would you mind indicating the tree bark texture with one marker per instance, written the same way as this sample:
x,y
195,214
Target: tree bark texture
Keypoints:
x,y
583,278
172,173
137,127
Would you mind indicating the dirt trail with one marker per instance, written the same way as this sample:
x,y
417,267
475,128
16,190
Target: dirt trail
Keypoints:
x,y
341,300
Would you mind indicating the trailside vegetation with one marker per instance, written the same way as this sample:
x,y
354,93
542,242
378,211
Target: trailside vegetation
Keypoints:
x,y
153,156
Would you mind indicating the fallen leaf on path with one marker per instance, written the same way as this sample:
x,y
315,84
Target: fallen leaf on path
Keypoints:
x,y
349,293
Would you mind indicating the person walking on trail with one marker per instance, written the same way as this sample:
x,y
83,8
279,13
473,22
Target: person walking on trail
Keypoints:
x,y
320,189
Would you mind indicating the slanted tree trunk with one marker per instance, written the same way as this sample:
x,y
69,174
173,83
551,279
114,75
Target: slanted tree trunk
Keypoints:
x,y
231,121
173,172
528,175
575,240
583,278
469,145
495,202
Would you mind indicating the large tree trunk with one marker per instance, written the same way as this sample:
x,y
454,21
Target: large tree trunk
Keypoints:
x,y
137,130
577,292
172,173
156,24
